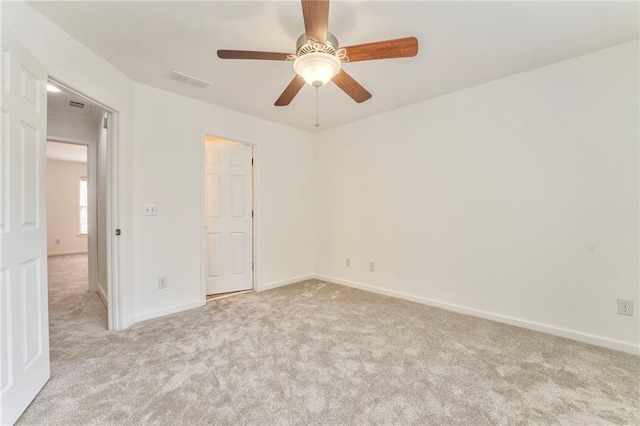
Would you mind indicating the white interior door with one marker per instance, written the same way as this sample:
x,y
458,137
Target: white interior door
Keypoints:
x,y
228,217
24,319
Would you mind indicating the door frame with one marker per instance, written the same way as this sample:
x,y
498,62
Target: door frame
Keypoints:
x,y
255,191
112,207
92,243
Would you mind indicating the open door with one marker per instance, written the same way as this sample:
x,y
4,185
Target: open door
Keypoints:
x,y
228,217
24,319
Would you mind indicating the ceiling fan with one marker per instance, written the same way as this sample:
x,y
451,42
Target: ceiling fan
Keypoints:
x,y
319,58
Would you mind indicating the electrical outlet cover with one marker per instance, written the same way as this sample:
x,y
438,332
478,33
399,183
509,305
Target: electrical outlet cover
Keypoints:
x,y
149,210
162,282
625,307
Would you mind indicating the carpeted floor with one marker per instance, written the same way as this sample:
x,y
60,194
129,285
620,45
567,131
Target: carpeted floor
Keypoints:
x,y
319,353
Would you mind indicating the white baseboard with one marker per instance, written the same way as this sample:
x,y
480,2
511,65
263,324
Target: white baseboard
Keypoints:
x,y
166,311
65,253
277,284
103,295
580,336
178,308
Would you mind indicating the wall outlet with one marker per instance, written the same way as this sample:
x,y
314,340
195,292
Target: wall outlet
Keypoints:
x,y
149,210
162,282
57,240
347,263
625,307
372,267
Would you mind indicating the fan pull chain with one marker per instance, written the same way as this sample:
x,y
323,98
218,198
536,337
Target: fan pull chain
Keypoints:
x,y
317,107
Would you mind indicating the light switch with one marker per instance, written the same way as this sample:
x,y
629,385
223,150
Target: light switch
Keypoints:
x,y
149,210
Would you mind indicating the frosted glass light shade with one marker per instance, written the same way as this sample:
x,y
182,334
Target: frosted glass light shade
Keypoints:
x,y
317,67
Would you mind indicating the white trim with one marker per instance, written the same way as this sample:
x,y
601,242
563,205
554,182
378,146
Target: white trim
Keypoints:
x,y
203,232
580,336
102,294
92,210
213,298
65,253
166,311
113,205
276,284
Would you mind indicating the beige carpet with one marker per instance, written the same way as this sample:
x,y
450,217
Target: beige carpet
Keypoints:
x,y
318,353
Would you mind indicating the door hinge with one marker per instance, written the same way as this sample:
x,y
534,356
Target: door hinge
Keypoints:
x,y
118,232
251,213
252,266
252,161
104,125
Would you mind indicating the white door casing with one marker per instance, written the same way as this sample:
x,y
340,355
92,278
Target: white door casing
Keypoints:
x,y
24,322
228,217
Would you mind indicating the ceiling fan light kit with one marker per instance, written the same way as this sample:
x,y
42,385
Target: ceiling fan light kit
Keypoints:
x,y
318,58
317,68
317,63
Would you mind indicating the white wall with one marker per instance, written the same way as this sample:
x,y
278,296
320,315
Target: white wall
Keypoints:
x,y
69,61
169,144
62,207
515,200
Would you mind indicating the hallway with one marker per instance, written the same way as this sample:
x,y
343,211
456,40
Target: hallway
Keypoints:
x,y
73,311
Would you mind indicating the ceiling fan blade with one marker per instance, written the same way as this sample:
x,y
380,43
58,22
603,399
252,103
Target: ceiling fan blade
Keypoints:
x,y
249,54
316,19
398,48
291,91
351,87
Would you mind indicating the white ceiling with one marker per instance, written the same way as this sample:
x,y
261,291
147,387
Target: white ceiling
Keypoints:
x,y
462,44
66,152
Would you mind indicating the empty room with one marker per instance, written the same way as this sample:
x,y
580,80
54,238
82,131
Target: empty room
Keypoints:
x,y
321,212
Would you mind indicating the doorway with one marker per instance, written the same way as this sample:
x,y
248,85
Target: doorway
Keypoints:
x,y
75,122
76,211
68,214
228,217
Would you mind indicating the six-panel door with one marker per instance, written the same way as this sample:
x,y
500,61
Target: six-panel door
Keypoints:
x,y
24,327
228,217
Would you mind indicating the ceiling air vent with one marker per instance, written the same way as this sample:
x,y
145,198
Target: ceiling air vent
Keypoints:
x,y
188,79
76,104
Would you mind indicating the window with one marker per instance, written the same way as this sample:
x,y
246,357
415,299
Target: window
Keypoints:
x,y
83,214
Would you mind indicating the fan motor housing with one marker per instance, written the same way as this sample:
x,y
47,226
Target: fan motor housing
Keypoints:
x,y
305,45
